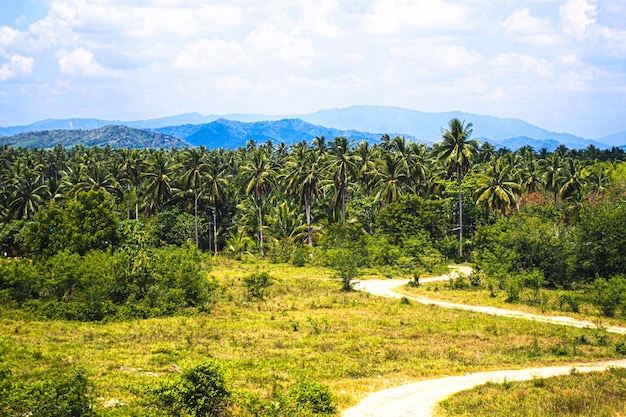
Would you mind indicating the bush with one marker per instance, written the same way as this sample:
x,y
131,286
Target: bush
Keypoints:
x,y
257,283
199,391
61,395
345,264
610,295
311,397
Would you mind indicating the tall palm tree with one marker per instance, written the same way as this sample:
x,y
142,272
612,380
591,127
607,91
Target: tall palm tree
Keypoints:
x,y
342,165
303,176
158,186
367,166
457,152
574,174
392,173
193,169
552,169
215,184
260,176
498,189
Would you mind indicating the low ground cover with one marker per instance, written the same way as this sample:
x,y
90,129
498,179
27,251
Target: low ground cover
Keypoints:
x,y
595,394
302,329
577,303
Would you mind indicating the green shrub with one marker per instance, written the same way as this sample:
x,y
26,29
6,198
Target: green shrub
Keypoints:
x,y
257,283
311,397
61,395
199,391
610,295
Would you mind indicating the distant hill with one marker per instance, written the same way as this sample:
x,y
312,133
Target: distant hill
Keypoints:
x,y
427,126
618,139
115,136
232,134
350,121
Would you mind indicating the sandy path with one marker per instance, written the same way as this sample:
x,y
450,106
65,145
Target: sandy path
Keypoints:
x,y
385,288
420,398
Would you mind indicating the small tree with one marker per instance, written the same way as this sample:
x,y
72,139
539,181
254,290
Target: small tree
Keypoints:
x,y
345,264
257,283
197,392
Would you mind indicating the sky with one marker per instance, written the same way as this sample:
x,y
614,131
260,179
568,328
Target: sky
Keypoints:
x,y
559,64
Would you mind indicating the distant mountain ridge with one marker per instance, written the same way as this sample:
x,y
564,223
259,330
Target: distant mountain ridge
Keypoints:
x,y
114,136
232,134
356,122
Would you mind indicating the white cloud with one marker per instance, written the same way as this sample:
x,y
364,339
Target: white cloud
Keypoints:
x,y
210,55
524,27
268,45
522,65
577,16
82,62
388,17
8,35
18,66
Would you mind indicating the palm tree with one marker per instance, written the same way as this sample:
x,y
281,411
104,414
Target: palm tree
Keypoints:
x,y
342,165
215,185
96,177
158,187
457,152
260,173
303,176
392,173
26,195
193,169
551,168
573,178
498,189
134,166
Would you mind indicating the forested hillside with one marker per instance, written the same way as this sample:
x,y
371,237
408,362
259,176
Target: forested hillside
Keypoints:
x,y
115,136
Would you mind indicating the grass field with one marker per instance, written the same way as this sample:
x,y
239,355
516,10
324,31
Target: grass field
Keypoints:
x,y
599,394
548,302
305,327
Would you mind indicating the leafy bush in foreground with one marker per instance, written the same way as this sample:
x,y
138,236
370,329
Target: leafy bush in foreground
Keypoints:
x,y
199,391
60,395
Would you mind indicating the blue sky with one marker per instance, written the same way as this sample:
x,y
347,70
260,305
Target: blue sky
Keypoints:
x,y
559,64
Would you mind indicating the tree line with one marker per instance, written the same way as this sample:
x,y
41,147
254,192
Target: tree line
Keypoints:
x,y
397,206
269,193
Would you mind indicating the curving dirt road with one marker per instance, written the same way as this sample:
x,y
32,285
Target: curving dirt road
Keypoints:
x,y
420,398
385,288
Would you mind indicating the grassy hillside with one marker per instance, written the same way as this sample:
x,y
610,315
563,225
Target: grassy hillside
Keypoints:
x,y
114,136
305,327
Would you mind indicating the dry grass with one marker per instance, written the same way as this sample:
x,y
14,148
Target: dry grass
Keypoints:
x,y
353,342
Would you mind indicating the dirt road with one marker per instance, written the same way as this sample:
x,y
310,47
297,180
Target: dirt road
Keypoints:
x,y
420,398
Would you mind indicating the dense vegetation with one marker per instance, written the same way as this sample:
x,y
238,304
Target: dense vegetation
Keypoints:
x,y
99,234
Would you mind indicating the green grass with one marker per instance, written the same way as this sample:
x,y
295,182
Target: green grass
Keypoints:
x,y
597,394
304,328
550,302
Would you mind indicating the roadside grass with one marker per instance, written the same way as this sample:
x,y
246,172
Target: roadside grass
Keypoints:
x,y
305,327
547,302
598,394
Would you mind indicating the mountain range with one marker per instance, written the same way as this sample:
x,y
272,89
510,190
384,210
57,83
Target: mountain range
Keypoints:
x,y
358,123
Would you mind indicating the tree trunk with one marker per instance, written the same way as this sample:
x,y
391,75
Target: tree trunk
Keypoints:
x,y
128,202
307,209
136,202
215,230
195,213
460,181
261,228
